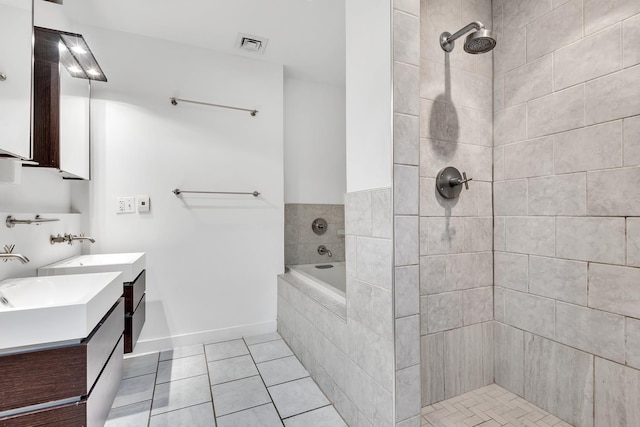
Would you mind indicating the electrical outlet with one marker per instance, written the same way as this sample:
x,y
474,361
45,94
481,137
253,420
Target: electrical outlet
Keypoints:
x,y
126,205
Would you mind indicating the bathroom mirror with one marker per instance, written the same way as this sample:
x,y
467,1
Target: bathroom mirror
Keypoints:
x,y
16,59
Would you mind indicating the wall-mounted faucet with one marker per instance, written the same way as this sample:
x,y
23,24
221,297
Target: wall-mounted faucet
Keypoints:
x,y
69,238
322,250
9,256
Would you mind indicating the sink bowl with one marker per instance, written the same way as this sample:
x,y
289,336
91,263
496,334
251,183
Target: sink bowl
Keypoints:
x,y
130,264
44,310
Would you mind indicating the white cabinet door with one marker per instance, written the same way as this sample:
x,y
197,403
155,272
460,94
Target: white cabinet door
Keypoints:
x,y
16,24
74,125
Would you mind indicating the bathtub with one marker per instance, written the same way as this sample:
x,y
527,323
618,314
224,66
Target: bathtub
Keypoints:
x,y
330,278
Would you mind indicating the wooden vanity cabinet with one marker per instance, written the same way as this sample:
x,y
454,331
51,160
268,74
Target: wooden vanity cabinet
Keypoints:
x,y
135,310
82,379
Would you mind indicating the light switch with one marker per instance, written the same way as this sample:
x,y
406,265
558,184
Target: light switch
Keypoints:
x,y
126,205
143,203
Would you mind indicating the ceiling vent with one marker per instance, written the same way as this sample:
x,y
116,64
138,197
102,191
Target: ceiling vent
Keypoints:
x,y
251,43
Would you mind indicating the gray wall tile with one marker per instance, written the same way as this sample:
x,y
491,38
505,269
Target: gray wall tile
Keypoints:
x,y
444,235
510,51
518,13
614,192
498,303
432,368
408,393
510,198
593,331
488,349
511,270
405,190
446,273
631,40
475,160
499,233
510,125
559,379
633,242
445,122
406,240
530,312
531,235
633,342
381,214
615,289
557,112
558,195
373,260
498,163
357,213
509,358
632,141
407,342
599,14
617,394
528,82
477,234
590,148
407,290
463,360
444,311
558,279
433,204
406,139
433,277
406,84
613,96
406,38
529,158
590,239
589,58
498,93
477,305
408,6
554,30
455,86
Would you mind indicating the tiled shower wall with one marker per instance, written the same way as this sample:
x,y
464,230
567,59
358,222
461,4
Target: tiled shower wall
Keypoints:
x,y
567,206
351,355
301,243
456,280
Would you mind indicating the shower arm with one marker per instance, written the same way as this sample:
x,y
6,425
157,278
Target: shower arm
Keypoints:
x,y
476,25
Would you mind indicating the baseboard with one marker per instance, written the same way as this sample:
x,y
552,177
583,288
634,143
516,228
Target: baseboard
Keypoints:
x,y
204,337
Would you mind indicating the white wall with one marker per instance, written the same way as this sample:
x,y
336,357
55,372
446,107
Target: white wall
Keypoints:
x,y
212,261
314,142
369,132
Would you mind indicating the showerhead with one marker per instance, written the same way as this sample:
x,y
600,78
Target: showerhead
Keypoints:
x,y
480,41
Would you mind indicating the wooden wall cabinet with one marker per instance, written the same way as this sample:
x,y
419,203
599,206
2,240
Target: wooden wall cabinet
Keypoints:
x,y
61,110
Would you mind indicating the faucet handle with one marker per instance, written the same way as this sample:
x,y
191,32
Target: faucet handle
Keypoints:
x,y
8,248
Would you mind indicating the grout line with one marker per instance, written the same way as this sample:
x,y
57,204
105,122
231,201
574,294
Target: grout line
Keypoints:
x,y
263,383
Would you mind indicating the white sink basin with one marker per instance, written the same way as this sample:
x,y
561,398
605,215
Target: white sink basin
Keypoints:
x,y
42,310
130,264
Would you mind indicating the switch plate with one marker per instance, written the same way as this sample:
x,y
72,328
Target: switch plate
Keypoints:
x,y
126,205
143,203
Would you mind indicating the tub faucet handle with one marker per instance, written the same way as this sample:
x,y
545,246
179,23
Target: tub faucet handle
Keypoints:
x,y
322,250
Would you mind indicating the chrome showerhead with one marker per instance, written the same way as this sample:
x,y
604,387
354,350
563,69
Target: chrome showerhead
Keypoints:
x,y
480,41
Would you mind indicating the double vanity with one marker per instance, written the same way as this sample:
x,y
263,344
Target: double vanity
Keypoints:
x,y
64,335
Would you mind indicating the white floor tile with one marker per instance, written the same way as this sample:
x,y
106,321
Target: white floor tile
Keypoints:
x,y
239,395
298,396
323,417
258,339
260,416
134,390
140,365
176,353
178,369
180,394
134,415
270,350
282,370
224,350
193,416
234,368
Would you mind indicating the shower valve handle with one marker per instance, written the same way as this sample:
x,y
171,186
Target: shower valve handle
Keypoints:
x,y
457,181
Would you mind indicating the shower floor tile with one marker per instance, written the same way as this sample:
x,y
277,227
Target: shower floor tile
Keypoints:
x,y
173,389
490,406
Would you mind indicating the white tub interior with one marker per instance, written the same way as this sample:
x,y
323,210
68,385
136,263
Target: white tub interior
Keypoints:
x,y
332,279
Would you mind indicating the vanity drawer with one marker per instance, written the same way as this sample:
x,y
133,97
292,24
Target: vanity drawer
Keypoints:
x,y
133,325
133,292
40,376
91,412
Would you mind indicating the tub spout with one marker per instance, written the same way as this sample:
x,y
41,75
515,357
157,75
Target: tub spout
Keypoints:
x,y
322,250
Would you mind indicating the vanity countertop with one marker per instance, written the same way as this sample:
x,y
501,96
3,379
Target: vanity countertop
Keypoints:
x,y
130,264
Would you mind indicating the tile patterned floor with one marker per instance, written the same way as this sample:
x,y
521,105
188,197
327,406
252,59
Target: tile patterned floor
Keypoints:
x,y
249,382
490,406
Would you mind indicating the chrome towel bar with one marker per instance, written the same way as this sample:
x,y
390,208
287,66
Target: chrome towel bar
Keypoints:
x,y
174,101
10,222
177,192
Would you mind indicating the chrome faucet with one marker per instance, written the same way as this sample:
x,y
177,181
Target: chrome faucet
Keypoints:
x,y
322,250
71,237
9,256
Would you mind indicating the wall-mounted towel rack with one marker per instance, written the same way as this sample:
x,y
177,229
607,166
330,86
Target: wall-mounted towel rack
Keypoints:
x,y
174,101
177,192
10,222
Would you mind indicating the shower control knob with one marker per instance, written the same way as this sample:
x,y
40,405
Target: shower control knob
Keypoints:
x,y
449,182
